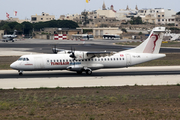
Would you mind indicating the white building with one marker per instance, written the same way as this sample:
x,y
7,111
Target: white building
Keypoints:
x,y
42,18
157,16
106,13
126,15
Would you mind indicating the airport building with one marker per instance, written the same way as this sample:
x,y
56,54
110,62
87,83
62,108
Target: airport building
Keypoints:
x,y
42,18
99,32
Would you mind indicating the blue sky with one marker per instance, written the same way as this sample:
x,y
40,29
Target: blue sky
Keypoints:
x,y
26,8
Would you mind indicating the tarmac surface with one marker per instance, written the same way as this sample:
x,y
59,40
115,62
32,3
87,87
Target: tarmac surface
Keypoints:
x,y
45,46
165,75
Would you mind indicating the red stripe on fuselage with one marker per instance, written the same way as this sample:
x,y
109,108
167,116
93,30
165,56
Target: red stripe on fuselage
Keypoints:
x,y
59,63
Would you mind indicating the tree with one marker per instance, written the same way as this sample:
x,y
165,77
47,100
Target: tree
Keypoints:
x,y
12,25
124,30
19,28
178,13
27,27
85,17
2,23
6,28
136,20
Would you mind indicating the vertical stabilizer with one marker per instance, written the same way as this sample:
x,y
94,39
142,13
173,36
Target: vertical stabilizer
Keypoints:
x,y
14,32
152,44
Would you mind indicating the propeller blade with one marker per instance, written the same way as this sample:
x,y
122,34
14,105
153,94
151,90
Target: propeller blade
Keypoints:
x,y
54,49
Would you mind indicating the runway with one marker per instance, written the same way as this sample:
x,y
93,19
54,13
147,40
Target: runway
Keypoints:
x,y
35,46
165,75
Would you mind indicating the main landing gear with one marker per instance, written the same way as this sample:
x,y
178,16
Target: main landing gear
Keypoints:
x,y
20,72
87,70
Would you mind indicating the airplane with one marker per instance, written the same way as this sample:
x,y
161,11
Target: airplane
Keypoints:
x,y
7,38
87,61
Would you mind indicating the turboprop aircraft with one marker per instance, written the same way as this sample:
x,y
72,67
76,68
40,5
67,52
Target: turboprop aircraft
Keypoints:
x,y
85,61
7,38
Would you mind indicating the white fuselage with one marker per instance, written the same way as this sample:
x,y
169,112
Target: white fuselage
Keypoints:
x,y
64,62
80,61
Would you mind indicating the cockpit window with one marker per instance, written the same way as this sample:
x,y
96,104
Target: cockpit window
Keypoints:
x,y
20,59
23,59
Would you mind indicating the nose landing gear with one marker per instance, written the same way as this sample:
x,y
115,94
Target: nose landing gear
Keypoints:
x,y
20,72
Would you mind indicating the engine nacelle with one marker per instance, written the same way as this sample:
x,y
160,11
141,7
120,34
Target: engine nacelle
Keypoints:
x,y
78,55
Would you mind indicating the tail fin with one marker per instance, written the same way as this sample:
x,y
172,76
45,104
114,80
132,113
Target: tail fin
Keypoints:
x,y
14,32
152,44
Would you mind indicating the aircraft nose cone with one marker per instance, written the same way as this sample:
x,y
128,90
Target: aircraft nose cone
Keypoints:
x,y
13,65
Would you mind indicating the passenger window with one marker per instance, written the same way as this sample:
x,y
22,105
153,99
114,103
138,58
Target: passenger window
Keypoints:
x,y
82,60
63,60
47,60
104,59
57,60
85,59
91,59
51,60
98,59
79,60
111,59
88,59
117,58
27,59
54,60
60,60
66,60
114,59
123,58
95,59
108,59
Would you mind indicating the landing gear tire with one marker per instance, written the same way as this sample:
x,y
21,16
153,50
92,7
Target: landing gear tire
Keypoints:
x,y
88,72
20,72
79,72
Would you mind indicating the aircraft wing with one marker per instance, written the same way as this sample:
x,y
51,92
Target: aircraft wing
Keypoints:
x,y
99,54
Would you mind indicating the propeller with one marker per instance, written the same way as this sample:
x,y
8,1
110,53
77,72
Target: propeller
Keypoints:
x,y
54,49
72,54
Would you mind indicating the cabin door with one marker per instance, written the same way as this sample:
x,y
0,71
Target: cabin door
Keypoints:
x,y
128,60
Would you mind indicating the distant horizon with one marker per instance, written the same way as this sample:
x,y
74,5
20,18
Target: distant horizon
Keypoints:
x,y
69,7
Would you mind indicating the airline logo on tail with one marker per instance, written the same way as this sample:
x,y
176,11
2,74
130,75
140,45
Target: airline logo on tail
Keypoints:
x,y
150,47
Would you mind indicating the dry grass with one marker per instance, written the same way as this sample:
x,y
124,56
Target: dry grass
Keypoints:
x,y
138,102
169,44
